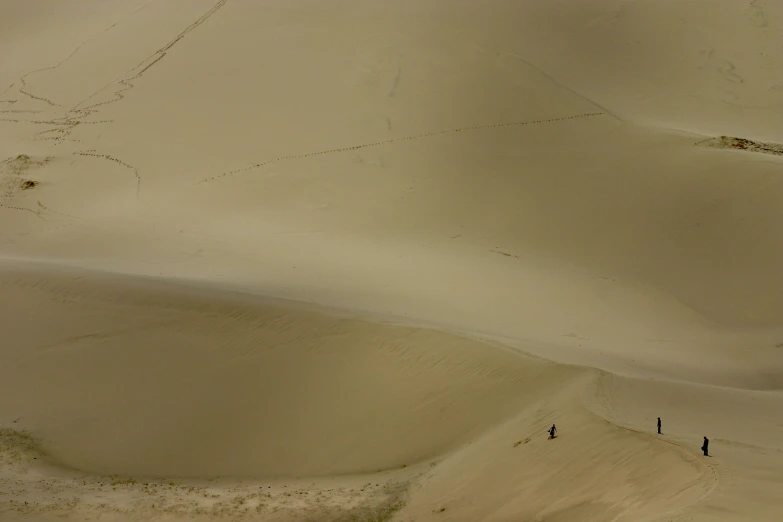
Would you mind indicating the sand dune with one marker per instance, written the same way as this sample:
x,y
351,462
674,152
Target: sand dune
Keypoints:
x,y
348,261
167,375
170,373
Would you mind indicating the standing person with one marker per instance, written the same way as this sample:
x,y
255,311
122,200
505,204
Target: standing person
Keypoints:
x,y
705,446
659,425
552,432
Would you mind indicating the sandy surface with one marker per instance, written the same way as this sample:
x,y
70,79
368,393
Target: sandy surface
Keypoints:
x,y
350,260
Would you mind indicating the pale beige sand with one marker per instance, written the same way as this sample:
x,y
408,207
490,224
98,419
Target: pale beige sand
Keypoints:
x,y
452,188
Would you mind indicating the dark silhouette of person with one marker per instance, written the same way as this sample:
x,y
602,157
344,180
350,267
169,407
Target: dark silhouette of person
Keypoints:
x,y
705,446
659,425
552,432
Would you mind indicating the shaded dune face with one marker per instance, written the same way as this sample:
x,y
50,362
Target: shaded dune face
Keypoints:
x,y
134,378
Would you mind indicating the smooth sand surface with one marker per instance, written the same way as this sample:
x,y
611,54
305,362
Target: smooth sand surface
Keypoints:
x,y
350,260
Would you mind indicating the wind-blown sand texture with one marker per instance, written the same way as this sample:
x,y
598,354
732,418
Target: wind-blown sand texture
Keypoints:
x,y
350,260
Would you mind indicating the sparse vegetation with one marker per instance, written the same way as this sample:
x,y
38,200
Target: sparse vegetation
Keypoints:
x,y
15,443
388,512
125,482
383,514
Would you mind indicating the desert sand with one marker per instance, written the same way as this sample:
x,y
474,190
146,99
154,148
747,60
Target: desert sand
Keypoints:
x,y
350,260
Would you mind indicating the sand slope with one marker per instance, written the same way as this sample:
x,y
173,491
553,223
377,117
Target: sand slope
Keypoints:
x,y
170,383
284,243
183,382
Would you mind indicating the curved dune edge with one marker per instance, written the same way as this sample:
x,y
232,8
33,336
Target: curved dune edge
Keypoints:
x,y
157,390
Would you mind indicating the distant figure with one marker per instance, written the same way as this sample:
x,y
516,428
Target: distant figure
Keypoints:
x,y
552,432
705,445
659,425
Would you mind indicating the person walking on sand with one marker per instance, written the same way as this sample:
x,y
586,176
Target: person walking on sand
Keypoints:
x,y
659,425
705,446
552,432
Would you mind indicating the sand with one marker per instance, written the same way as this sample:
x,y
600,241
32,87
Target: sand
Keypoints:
x,y
350,261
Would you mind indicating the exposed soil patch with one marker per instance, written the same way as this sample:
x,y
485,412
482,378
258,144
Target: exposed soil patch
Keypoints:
x,y
730,142
13,175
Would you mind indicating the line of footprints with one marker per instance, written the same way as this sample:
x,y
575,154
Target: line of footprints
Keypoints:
x,y
395,140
